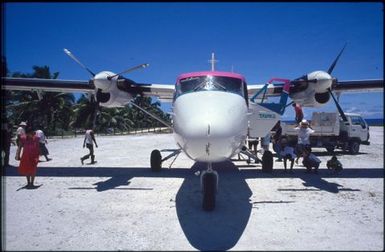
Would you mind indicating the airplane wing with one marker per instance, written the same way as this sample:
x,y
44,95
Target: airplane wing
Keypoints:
x,y
163,91
370,85
359,86
49,85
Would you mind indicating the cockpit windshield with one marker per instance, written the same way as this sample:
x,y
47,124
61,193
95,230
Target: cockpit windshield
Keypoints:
x,y
203,83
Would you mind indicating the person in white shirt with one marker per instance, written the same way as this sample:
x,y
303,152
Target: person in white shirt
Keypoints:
x,y
287,152
89,139
43,149
304,132
20,132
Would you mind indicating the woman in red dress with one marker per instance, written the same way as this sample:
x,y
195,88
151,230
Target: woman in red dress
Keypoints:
x,y
30,156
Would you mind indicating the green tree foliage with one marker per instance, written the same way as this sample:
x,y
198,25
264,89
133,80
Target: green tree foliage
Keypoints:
x,y
52,113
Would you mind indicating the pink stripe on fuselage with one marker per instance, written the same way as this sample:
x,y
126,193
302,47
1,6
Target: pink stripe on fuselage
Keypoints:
x,y
212,73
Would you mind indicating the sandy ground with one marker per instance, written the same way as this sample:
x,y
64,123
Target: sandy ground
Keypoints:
x,y
119,204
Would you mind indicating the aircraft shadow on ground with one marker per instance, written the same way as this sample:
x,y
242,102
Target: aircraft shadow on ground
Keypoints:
x,y
120,176
221,228
317,182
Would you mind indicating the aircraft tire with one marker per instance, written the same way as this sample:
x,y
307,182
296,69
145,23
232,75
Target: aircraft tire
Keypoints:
x,y
209,184
156,161
267,161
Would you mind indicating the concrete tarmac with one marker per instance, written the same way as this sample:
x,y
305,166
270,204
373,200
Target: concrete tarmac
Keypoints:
x,y
119,204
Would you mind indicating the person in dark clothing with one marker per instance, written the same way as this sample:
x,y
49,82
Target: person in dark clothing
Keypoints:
x,y
277,140
310,160
334,165
6,136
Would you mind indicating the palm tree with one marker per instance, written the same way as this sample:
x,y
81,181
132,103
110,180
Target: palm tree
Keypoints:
x,y
83,113
52,112
116,118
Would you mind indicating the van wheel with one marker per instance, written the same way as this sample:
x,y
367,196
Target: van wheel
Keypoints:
x,y
354,147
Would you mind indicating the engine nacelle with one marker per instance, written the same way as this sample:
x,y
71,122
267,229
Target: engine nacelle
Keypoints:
x,y
108,92
114,98
322,98
311,90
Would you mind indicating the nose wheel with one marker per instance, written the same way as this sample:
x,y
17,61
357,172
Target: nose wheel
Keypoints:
x,y
209,185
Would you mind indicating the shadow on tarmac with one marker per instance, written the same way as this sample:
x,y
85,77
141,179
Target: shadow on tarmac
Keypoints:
x,y
221,228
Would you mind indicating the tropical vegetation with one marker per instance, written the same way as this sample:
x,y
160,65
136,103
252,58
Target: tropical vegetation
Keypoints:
x,y
56,113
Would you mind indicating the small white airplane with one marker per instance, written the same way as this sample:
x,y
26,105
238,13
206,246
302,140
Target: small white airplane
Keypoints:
x,y
212,113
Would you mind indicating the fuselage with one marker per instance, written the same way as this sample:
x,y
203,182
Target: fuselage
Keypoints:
x,y
210,115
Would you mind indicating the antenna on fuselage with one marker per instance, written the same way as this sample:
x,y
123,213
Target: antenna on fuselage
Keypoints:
x,y
213,61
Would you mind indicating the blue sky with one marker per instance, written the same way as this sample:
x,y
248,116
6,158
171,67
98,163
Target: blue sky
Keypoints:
x,y
258,40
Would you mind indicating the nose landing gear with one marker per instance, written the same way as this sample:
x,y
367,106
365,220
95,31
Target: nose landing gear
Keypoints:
x,y
209,185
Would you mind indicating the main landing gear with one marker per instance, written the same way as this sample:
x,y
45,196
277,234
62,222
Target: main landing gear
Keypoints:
x,y
156,159
209,185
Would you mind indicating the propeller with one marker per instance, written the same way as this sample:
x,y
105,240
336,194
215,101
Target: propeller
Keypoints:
x,y
129,70
102,81
93,98
338,106
331,68
78,61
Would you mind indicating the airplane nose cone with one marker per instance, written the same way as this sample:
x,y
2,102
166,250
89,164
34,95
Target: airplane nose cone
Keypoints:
x,y
211,125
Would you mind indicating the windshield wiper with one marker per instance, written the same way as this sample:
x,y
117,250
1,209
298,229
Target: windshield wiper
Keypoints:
x,y
216,84
205,85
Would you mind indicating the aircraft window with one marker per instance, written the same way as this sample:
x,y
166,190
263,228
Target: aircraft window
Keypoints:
x,y
202,83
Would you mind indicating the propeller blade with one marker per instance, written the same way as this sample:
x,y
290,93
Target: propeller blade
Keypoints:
x,y
338,106
129,70
331,68
77,61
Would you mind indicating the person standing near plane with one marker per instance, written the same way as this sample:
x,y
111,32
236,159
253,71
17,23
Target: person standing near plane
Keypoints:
x,y
20,132
298,113
89,140
43,149
304,132
276,139
6,139
29,146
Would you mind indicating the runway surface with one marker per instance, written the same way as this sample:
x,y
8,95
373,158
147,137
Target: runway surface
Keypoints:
x,y
119,204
